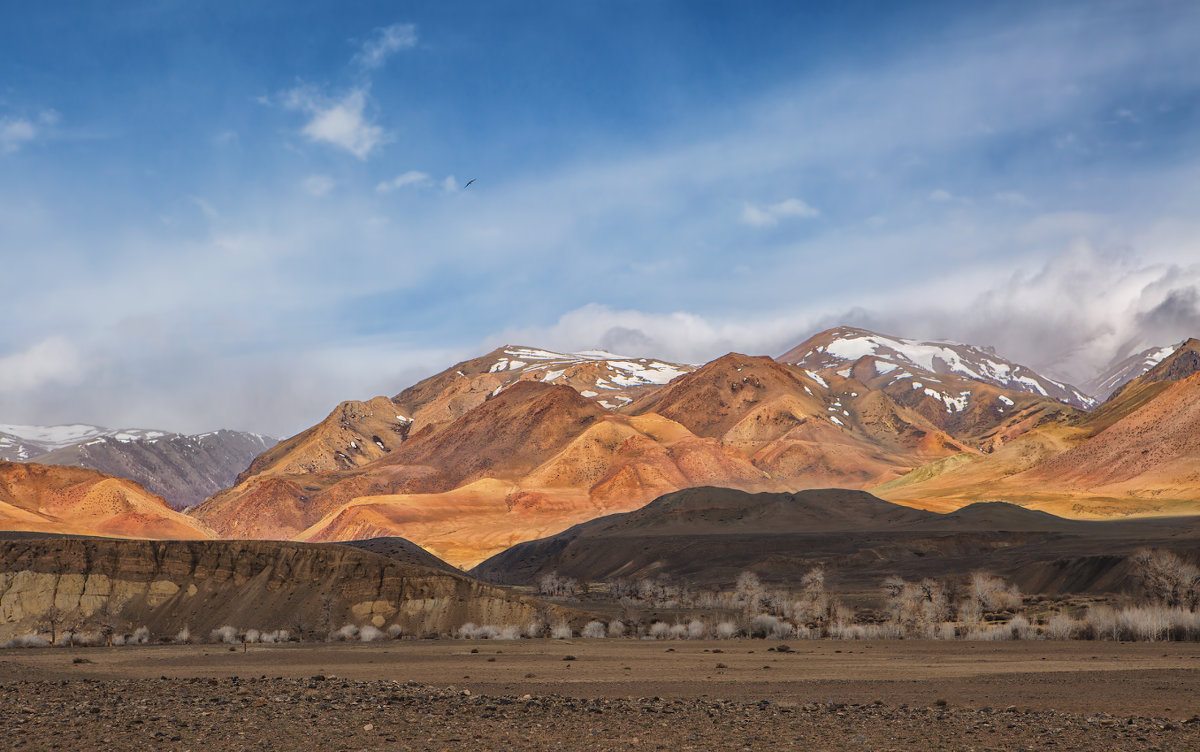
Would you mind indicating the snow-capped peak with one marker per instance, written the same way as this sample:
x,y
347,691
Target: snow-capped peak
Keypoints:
x,y
1123,371
837,348
604,371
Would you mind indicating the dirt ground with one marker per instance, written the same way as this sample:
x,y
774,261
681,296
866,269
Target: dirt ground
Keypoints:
x,y
606,694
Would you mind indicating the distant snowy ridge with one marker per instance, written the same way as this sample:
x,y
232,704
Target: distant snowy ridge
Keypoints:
x,y
20,443
1122,372
907,358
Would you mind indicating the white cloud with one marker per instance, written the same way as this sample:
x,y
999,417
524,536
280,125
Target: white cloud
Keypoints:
x,y
450,184
385,42
52,359
768,216
940,195
15,133
342,123
318,185
412,177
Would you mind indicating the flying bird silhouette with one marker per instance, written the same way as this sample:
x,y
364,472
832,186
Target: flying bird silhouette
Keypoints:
x,y
468,185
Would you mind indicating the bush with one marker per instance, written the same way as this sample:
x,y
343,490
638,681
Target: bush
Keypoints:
x,y
697,630
32,640
394,631
183,636
225,634
510,632
659,630
534,629
999,632
616,628
347,633
561,631
370,634
252,635
1021,628
594,630
727,630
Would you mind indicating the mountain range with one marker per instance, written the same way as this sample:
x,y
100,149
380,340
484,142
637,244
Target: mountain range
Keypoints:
x,y
183,469
522,443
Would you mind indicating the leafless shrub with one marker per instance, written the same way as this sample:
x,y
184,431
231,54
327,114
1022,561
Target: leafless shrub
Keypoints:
x,y
1102,624
844,631
594,630
943,631
88,639
993,593
471,631
348,633
1168,579
252,635
561,631
768,626
509,633
225,634
678,631
616,628
283,635
1021,628
553,586
986,633
750,592
140,636
534,629
697,630
269,638
31,640
726,630
394,631
659,630
1062,627
370,633
183,636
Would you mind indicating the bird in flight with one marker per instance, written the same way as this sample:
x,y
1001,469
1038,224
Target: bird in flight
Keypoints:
x,y
468,185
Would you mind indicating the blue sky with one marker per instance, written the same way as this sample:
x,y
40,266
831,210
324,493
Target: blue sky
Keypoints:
x,y
239,214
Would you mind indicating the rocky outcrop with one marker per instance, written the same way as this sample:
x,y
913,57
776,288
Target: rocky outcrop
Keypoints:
x,y
89,584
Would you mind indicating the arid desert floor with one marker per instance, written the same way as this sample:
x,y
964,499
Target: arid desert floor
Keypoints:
x,y
606,694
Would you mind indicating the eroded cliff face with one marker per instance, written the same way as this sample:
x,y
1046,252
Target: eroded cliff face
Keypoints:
x,y
86,585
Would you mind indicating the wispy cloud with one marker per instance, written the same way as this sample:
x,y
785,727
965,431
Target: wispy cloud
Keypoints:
x,y
52,360
342,123
768,216
15,133
412,177
318,185
384,43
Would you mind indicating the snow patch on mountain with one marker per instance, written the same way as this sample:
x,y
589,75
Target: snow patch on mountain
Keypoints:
x,y
1121,372
838,349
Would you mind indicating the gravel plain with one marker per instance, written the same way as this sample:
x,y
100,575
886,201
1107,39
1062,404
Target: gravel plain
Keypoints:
x,y
604,695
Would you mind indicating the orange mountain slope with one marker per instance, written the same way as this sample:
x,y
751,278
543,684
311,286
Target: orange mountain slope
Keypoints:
x,y
533,458
1137,454
79,501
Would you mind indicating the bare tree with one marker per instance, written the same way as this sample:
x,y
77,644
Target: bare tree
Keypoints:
x,y
1168,579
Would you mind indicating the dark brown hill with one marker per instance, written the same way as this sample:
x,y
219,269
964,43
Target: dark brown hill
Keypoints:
x,y
708,536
